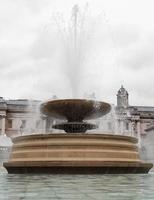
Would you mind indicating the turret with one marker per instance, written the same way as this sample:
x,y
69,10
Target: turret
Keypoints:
x,y
122,98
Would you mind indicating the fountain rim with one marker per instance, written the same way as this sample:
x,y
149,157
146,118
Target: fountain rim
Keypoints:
x,y
79,135
72,99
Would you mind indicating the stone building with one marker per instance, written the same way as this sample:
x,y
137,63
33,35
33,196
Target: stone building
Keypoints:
x,y
18,117
135,119
22,116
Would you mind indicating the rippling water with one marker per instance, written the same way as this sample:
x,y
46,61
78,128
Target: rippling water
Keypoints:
x,y
85,187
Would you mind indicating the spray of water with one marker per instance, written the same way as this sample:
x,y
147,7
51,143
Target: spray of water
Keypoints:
x,y
73,43
74,50
79,40
114,120
33,123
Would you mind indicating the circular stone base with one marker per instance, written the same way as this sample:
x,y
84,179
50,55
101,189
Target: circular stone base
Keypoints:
x,y
78,167
75,153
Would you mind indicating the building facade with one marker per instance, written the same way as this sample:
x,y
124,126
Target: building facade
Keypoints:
x,y
18,117
135,119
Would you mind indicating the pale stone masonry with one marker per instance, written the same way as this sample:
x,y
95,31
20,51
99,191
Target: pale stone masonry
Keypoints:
x,y
18,117
22,116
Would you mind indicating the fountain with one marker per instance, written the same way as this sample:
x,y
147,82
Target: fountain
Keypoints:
x,y
75,151
79,109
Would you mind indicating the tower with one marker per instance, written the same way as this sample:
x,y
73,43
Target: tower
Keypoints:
x,y
122,98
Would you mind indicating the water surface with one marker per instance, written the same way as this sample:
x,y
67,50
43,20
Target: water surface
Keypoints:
x,y
73,187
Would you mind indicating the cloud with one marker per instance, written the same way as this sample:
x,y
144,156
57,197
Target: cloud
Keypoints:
x,y
114,52
125,35
140,55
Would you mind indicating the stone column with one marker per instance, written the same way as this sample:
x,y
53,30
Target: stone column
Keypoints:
x,y
3,125
115,126
131,129
139,133
44,126
122,127
119,127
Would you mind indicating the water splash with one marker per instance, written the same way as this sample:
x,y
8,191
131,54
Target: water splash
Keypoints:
x,y
5,141
114,120
33,122
74,50
73,43
97,105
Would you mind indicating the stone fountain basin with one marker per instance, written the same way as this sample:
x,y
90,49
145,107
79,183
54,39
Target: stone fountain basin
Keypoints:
x,y
75,110
75,154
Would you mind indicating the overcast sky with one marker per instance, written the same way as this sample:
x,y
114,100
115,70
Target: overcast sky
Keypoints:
x,y
116,48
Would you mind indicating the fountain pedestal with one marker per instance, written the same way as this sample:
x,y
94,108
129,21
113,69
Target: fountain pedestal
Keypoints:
x,y
79,153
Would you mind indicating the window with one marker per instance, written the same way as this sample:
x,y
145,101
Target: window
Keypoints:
x,y
127,126
23,124
37,123
9,122
109,125
118,124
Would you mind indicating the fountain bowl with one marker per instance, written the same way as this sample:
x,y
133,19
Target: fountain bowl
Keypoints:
x,y
75,110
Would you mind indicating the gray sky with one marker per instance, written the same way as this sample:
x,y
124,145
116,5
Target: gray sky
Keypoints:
x,y
116,43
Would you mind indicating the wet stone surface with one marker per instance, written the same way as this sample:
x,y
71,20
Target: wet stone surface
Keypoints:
x,y
75,187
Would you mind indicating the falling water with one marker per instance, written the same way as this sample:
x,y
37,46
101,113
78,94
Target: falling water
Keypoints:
x,y
34,119
73,44
115,120
83,51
